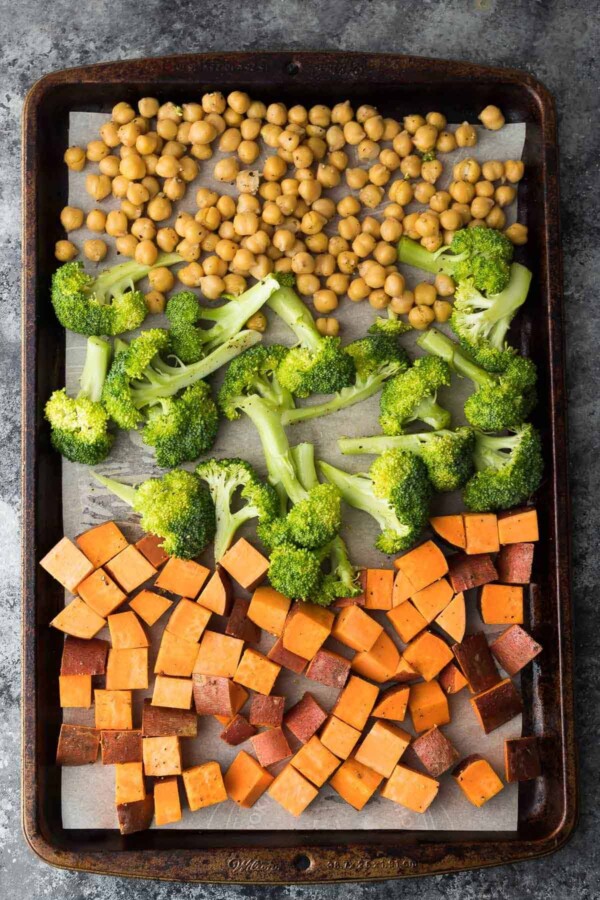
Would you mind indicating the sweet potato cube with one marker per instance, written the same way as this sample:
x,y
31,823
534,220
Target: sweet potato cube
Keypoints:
x,y
204,785
315,761
101,593
151,546
75,691
286,658
355,783
245,564
113,710
356,701
392,704
466,572
292,791
433,599
101,543
188,620
268,609
237,731
240,626
218,655
176,656
77,745
162,756
216,594
451,679
267,712
126,631
382,748
497,705
173,692
428,706
217,696
127,670
121,747
129,782
407,621
481,533
477,664
402,589
514,649
423,565
130,569
451,529
257,672
405,672
515,562
182,576
453,619
477,780
411,789
158,721
306,629
519,526
428,654
378,590
150,606
329,668
271,746
380,662
355,628
501,604
79,620
522,759
339,737
304,718
167,805
67,564
246,780
81,657
436,753
137,816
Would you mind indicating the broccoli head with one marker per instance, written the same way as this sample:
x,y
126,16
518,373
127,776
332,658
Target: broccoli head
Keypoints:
x,y
393,325
182,428
294,572
509,470
411,396
254,373
342,578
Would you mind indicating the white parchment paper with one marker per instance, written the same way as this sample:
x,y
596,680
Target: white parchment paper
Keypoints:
x,y
88,791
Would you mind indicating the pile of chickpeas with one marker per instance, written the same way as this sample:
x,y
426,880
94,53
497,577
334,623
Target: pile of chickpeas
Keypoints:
x,y
283,217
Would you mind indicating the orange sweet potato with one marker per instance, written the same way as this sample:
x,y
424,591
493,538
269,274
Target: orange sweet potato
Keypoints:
x,y
433,599
188,620
239,625
356,701
428,654
428,705
315,761
245,564
292,791
451,679
268,609
204,785
339,737
451,529
477,780
481,532
158,721
405,672
382,748
217,593
217,696
246,780
355,628
150,606
67,564
286,658
402,589
501,604
173,692
162,756
392,704
518,526
176,656
407,621
75,691
112,710
127,670
130,569
101,543
218,655
129,782
167,805
355,783
101,593
306,629
380,662
423,565
183,577
378,590
79,620
126,632
411,789
453,619
266,711
257,672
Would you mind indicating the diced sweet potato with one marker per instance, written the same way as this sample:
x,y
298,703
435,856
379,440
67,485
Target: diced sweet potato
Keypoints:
x,y
176,656
518,526
245,564
80,657
428,654
423,565
515,562
451,679
183,577
121,747
67,564
453,619
75,691
286,658
79,620
269,609
126,631
217,696
339,737
405,672
514,649
307,627
402,589
150,606
271,746
158,721
497,705
476,662
127,670
329,668
129,782
292,791
433,599
137,816
392,704
217,593
237,731
380,662
130,569
355,783
257,672
382,748
355,703
407,621
521,759
167,805
173,692
246,780
204,785
113,710
219,654
315,761
428,706
481,532
468,572
102,543
239,625
355,628
501,604
304,718
188,620
451,529
436,753
101,593
477,780
77,745
162,756
151,546
411,789
266,712
378,591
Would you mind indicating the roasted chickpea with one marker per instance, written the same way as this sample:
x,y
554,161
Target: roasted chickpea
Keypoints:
x,y
317,243
461,191
408,224
236,285
423,191
402,303
200,151
432,242
504,195
356,178
337,245
446,142
379,174
327,175
431,170
98,186
95,249
401,192
325,301
363,245
403,144
328,326
425,138
514,169
466,135
375,275
155,302
349,228
338,283
467,169
444,285
442,310
212,286
374,127
122,113
411,166
334,138
277,114
303,263
342,113
137,193
425,294
144,229
283,264
495,218
413,123
146,253
368,150
354,133
274,168
493,170
312,222
491,118
307,285
390,129
309,189
394,285
213,102
250,129
480,207
151,161
464,211
339,159
440,201
378,299
227,169
167,129
358,290
152,185
427,224
161,279
75,158
385,254
71,218
371,196
391,229
213,265
109,166
477,223
128,135
191,275
484,189
205,220
110,134
126,244
65,251
246,223
420,317
436,119
325,265
133,167
159,208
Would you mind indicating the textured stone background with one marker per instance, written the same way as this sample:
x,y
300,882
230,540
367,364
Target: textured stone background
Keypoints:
x,y
557,42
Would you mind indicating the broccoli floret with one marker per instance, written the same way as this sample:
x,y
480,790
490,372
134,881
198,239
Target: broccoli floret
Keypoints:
x,y
234,481
509,470
342,578
481,323
313,522
294,572
254,372
392,326
182,428
395,492
411,397
448,455
502,400
79,425
481,254
108,304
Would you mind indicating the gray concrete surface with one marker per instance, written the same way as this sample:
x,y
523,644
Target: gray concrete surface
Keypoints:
x,y
557,42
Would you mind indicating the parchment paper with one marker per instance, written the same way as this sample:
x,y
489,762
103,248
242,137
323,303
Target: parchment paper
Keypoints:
x,y
88,791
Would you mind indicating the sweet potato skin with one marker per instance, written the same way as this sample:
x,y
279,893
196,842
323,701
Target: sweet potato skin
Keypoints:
x,y
158,721
435,751
217,696
239,625
237,731
271,746
451,679
477,664
83,657
136,816
266,711
515,563
497,705
121,747
466,572
286,658
77,745
522,759
304,718
514,649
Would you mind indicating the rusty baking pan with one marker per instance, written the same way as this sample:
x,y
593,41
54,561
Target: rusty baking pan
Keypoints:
x,y
397,85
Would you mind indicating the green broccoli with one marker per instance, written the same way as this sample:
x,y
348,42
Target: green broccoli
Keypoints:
x,y
395,492
482,255
342,578
182,428
296,573
411,397
509,470
177,507
448,455
79,425
502,400
234,482
393,325
481,323
108,304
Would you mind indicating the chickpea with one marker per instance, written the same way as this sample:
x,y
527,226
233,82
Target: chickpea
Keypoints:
x,y
484,189
151,161
427,224
444,285
95,249
202,132
201,151
408,225
393,211
394,285
328,175
226,250
155,302
334,138
303,157
390,129
425,294
159,208
98,186
181,223
126,244
191,275
375,275
378,299
338,159
213,102
448,237
446,142
236,285
356,178
109,166
277,114
274,168
110,134
243,261
440,201
312,222
246,223
183,133
491,118
128,135
283,264
477,223
385,254
354,133
370,225
337,245
480,207
379,174
71,218
467,169
144,229
342,113
122,113
464,211
209,243
493,170
257,110
303,263
161,279
65,251
167,129
420,317
374,127
411,166
514,169
425,138
146,253
319,115
212,286
423,191
363,245
401,192
442,310
431,170
413,123
310,189
205,220
349,228
75,158
317,243
466,135
403,144
495,218
307,285
432,242
364,112
147,144
170,111
368,150
227,169
133,167
461,191
325,301
151,184
148,106
504,195
167,166
358,290
338,283
205,197
402,303
371,196
212,265
250,129
325,265
391,229
437,119
328,326
287,203
283,240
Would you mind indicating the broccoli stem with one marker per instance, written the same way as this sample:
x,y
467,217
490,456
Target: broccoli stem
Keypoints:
x,y
377,444
95,367
231,318
491,451
357,491
430,412
436,343
125,492
296,315
411,253
117,279
505,304
304,463
356,393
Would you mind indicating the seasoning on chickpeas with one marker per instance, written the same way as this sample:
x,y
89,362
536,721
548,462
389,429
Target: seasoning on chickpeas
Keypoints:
x,y
491,118
71,218
65,251
75,158
517,233
466,135
95,249
420,317
444,285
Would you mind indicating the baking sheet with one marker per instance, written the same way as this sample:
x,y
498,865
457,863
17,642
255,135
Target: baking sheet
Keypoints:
x,y
88,791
